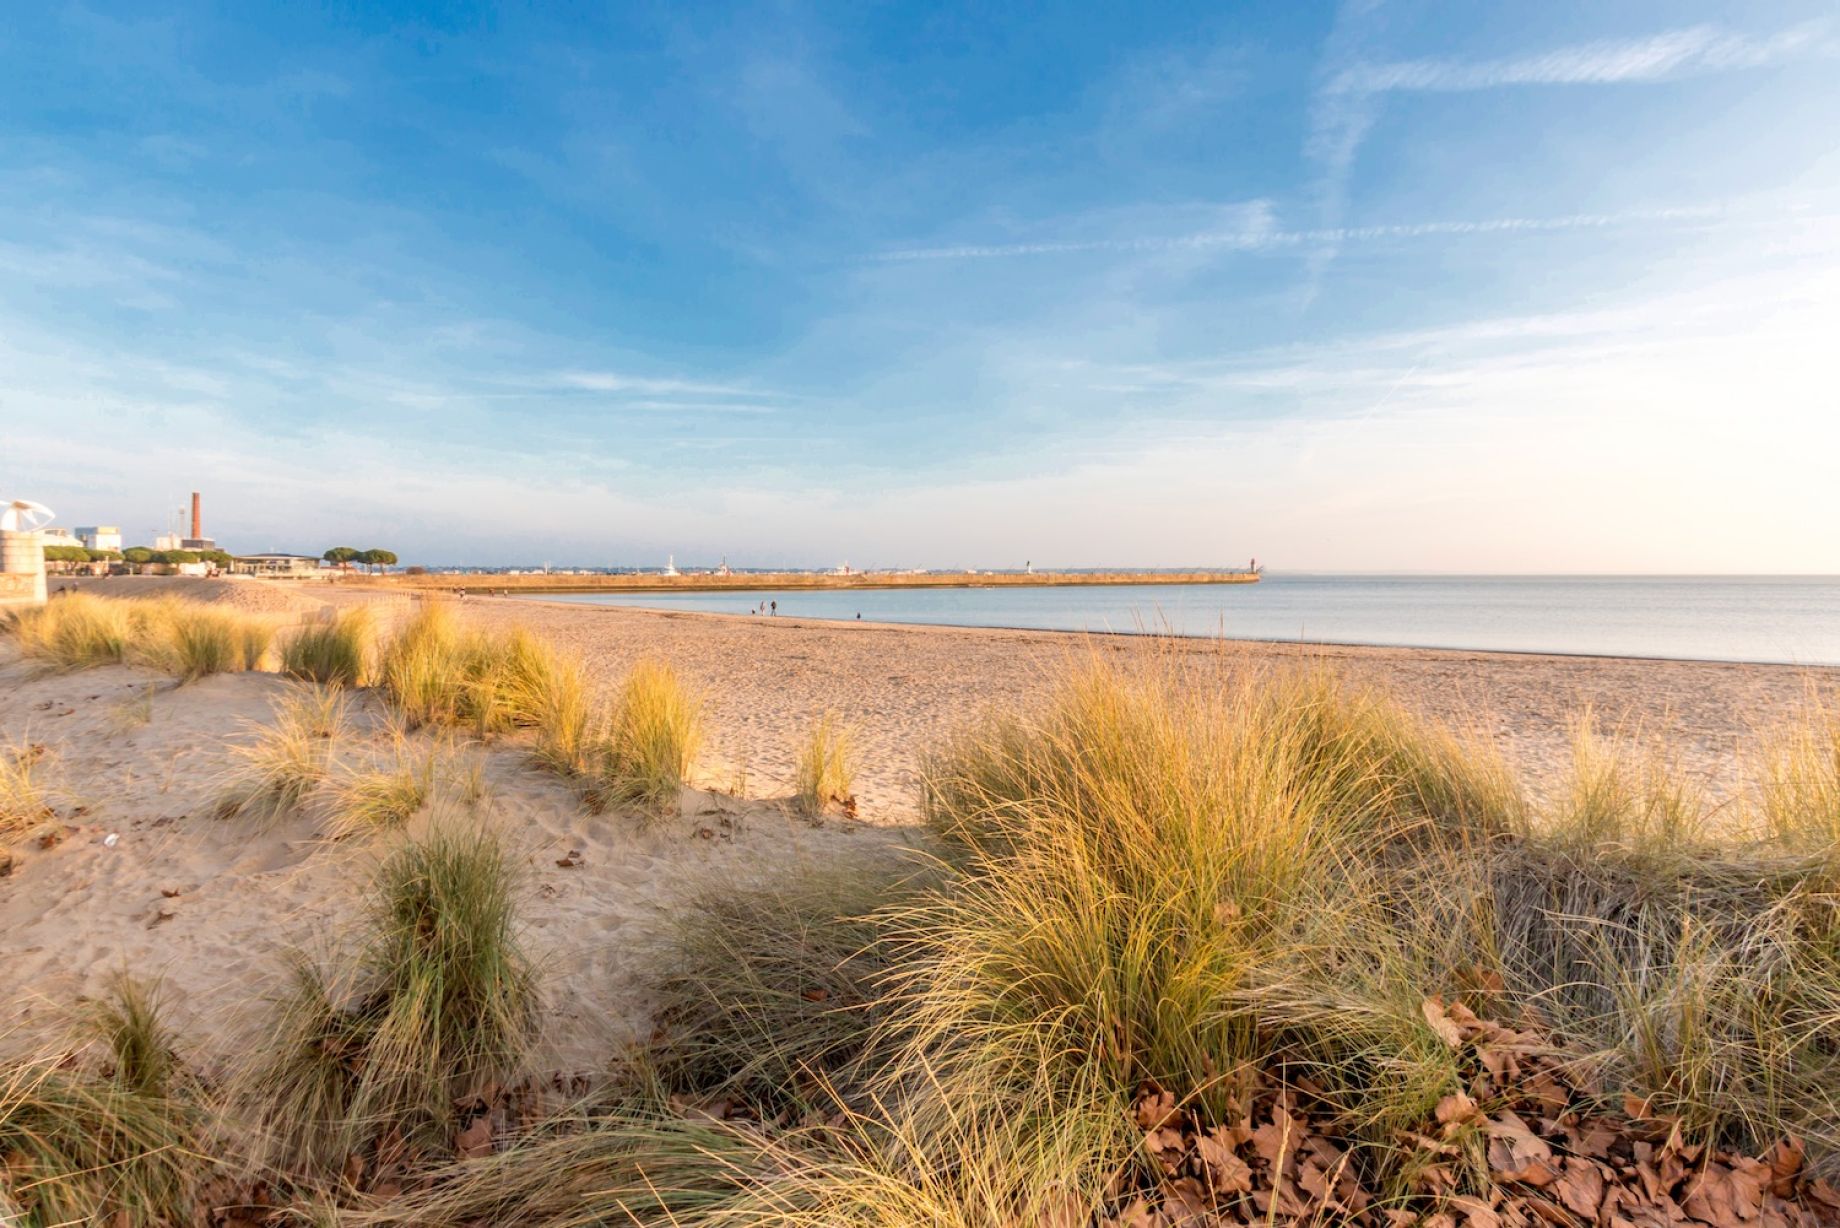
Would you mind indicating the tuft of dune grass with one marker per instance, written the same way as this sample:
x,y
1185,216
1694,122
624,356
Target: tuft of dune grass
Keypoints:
x,y
113,1145
76,631
1798,773
182,638
439,1003
826,766
636,1165
771,995
436,672
379,799
340,651
127,1020
24,802
190,641
288,758
643,750
1696,955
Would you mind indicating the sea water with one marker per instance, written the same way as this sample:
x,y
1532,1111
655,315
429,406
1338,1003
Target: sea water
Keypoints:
x,y
1788,619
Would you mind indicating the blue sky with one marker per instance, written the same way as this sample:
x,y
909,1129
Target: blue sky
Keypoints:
x,y
1377,286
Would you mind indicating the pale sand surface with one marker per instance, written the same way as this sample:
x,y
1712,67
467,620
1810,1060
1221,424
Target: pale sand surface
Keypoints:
x,y
904,687
249,893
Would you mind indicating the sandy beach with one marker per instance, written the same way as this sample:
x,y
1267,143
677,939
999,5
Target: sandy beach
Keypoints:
x,y
214,905
904,687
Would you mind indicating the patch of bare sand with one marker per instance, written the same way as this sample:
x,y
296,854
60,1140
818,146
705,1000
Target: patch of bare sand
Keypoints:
x,y
215,905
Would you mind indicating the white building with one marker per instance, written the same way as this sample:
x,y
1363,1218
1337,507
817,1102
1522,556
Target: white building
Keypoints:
x,y
100,536
274,564
58,537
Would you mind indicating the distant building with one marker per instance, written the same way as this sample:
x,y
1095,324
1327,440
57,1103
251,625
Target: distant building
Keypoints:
x,y
197,543
59,537
100,536
274,564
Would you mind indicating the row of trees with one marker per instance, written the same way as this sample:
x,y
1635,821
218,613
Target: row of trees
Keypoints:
x,y
345,556
341,556
138,555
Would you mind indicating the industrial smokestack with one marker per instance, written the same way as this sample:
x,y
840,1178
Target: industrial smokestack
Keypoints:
x,y
197,518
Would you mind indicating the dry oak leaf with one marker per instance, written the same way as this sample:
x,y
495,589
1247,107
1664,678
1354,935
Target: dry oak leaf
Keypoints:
x,y
1453,1110
1227,1173
475,1140
1581,1188
1475,1212
1156,1110
1441,1022
1785,1160
1517,1153
1186,1204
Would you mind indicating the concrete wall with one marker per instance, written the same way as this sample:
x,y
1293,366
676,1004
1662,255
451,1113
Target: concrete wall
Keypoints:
x,y
22,569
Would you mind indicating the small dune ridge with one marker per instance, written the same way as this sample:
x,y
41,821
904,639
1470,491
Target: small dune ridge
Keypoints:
x,y
1178,942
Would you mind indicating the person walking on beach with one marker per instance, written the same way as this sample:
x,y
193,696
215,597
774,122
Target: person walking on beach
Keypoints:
x,y
775,605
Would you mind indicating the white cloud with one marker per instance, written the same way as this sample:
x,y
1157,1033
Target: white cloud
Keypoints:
x,y
1660,57
1348,100
620,382
1264,237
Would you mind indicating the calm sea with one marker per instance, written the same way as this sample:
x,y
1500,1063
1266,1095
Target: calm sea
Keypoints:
x,y
1793,619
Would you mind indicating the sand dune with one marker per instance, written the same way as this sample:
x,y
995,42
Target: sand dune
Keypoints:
x,y
215,904
141,875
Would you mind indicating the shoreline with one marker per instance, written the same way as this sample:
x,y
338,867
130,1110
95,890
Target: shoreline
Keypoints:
x,y
904,687
1223,640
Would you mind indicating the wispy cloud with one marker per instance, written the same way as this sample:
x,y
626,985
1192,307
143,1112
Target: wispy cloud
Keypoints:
x,y
1661,57
617,381
1262,238
1352,88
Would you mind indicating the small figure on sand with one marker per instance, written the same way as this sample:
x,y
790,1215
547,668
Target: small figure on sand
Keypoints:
x,y
775,605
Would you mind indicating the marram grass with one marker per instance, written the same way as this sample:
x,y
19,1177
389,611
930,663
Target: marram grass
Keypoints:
x,y
106,1141
272,774
366,801
826,770
437,672
24,800
75,631
186,639
340,651
642,752
438,1002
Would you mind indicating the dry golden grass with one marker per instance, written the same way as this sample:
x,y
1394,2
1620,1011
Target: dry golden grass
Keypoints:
x,y
438,1003
273,773
366,801
89,1145
75,631
826,767
182,638
341,651
24,802
642,750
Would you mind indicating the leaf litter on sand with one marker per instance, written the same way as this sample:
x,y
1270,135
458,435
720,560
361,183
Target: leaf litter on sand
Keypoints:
x,y
1528,1141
